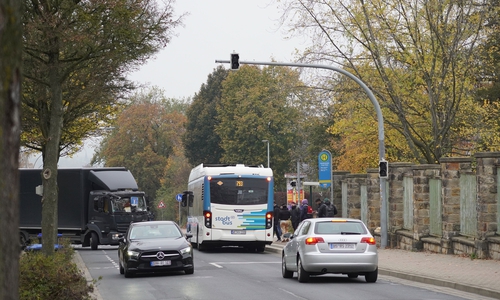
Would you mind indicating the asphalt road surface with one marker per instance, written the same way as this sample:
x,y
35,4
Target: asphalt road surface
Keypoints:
x,y
234,273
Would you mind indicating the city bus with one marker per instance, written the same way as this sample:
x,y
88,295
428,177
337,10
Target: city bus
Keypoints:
x,y
232,206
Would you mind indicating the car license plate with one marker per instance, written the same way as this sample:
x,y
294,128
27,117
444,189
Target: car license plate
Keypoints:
x,y
161,263
342,246
238,232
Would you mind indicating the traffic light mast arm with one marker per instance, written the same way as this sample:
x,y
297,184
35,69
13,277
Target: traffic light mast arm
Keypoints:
x,y
381,145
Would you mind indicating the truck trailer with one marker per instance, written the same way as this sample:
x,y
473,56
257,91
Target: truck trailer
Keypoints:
x,y
95,205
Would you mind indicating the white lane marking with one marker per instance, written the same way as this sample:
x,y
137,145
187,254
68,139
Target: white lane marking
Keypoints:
x,y
244,262
219,264
292,294
115,264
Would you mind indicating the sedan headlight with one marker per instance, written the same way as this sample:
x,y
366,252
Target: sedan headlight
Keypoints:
x,y
186,250
133,254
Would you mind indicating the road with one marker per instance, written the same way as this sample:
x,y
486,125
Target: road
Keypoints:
x,y
232,273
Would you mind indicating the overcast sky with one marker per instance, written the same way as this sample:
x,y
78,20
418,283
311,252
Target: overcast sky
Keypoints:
x,y
212,31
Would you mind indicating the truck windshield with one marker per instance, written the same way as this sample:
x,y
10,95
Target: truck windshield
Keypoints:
x,y
129,204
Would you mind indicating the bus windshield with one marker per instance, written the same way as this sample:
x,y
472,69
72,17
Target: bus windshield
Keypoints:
x,y
239,191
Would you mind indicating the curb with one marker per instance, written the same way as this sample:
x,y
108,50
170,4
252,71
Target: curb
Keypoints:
x,y
79,262
443,283
417,278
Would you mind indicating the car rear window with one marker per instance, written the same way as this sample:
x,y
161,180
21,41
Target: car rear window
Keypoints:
x,y
339,228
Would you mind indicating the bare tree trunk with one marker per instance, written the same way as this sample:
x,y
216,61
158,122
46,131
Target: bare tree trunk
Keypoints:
x,y
10,97
51,154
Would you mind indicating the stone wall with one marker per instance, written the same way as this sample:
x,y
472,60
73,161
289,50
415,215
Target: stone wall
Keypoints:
x,y
416,236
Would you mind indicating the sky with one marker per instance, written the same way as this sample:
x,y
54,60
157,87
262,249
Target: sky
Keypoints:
x,y
213,29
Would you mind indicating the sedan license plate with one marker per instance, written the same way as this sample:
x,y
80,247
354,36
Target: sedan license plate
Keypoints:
x,y
238,231
342,246
161,263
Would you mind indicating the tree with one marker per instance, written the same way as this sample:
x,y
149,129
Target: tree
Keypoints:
x,y
418,59
75,56
146,134
488,91
10,97
174,181
201,143
260,104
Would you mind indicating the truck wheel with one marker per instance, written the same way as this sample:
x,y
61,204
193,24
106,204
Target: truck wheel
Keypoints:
x,y
23,241
94,241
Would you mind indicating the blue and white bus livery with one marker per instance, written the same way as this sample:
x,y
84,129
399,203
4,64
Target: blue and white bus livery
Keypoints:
x,y
233,206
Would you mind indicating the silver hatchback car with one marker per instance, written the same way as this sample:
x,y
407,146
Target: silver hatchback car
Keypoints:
x,y
330,245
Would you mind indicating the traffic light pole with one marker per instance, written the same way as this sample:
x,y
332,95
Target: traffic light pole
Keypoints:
x,y
381,145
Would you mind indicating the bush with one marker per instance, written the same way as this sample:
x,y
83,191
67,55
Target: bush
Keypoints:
x,y
54,277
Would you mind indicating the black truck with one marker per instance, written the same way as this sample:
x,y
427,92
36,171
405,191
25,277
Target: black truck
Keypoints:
x,y
95,206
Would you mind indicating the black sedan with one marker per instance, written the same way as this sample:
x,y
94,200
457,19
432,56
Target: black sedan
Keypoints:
x,y
155,246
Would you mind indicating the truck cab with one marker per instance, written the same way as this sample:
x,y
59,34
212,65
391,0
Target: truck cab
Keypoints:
x,y
95,205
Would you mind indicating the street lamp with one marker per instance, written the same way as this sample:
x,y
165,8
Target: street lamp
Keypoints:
x,y
267,141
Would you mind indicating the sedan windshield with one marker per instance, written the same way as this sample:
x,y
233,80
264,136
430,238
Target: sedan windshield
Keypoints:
x,y
154,231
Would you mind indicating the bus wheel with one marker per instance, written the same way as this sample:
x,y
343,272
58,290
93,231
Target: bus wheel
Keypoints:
x,y
202,247
260,248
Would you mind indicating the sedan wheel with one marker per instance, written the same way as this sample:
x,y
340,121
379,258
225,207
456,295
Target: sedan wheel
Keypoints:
x,y
189,271
128,274
284,270
302,275
371,276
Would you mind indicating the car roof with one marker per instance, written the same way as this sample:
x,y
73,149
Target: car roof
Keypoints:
x,y
149,223
327,219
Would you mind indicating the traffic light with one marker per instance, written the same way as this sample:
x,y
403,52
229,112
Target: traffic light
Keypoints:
x,y
187,199
383,169
235,61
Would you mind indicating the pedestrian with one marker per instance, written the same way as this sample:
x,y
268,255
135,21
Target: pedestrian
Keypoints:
x,y
331,210
304,210
284,220
295,216
276,222
321,212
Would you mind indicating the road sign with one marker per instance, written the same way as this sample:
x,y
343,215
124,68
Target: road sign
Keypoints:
x,y
325,168
178,197
161,204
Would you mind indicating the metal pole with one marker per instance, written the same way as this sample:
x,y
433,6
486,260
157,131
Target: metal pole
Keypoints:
x,y
267,141
268,154
381,145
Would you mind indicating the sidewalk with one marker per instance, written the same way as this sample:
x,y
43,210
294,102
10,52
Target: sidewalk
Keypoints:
x,y
462,273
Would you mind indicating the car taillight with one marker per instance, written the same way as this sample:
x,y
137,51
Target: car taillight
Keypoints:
x,y
369,240
208,218
314,240
269,220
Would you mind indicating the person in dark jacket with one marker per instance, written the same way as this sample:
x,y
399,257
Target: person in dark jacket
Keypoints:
x,y
276,222
303,210
331,210
295,216
321,208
